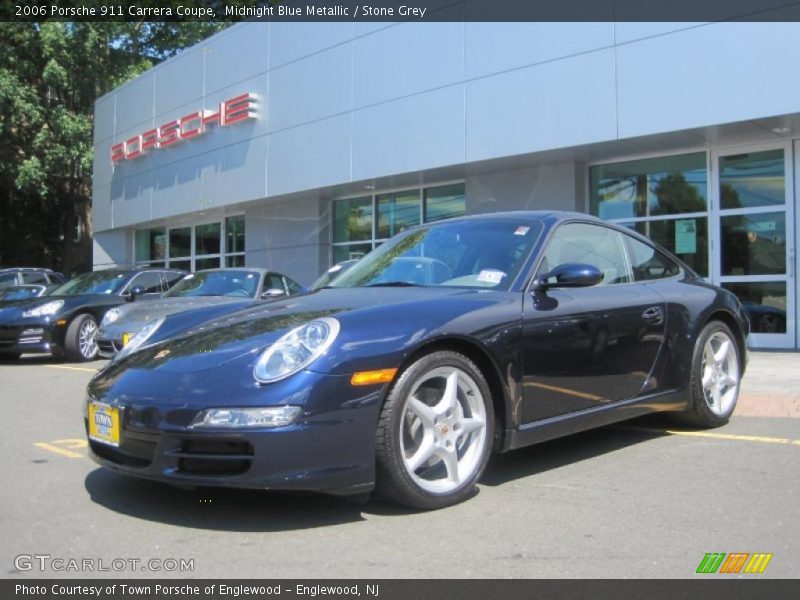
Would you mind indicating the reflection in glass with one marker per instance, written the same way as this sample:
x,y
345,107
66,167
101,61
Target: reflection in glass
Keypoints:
x,y
150,245
234,234
765,303
183,265
207,238
350,252
236,260
180,242
444,202
754,244
686,238
352,220
397,212
654,186
206,263
754,179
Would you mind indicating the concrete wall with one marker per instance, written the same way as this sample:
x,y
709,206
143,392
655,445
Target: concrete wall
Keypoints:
x,y
558,187
285,235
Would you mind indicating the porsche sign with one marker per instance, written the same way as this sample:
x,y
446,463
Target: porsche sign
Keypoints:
x,y
236,110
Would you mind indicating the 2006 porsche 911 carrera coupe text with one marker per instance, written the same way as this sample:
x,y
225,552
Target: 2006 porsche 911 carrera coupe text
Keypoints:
x,y
449,342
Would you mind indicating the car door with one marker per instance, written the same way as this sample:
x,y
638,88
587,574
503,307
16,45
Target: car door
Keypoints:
x,y
593,346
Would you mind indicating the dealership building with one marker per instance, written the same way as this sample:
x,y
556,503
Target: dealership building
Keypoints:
x,y
293,146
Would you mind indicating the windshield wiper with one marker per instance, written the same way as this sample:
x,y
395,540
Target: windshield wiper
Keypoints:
x,y
394,284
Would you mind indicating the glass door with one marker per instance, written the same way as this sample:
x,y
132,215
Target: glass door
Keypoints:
x,y
753,242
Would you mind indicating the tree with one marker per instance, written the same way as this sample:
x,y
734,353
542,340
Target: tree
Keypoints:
x,y
50,75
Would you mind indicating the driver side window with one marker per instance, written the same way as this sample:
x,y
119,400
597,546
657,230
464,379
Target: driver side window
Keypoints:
x,y
589,244
272,281
149,280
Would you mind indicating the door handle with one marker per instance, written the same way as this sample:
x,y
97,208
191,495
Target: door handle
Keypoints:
x,y
654,315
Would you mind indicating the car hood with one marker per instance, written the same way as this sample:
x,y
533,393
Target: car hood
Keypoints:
x,y
243,334
136,316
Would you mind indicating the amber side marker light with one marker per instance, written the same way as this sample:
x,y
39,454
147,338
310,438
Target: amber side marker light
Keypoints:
x,y
61,322
371,377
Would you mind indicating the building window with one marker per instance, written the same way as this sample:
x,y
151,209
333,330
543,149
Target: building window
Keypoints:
x,y
444,202
207,244
234,241
665,199
192,248
397,212
363,223
151,247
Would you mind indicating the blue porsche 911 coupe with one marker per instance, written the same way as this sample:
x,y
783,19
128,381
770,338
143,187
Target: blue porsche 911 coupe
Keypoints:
x,y
449,342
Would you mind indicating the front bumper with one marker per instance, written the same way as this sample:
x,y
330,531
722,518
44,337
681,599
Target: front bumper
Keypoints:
x,y
330,448
108,347
31,337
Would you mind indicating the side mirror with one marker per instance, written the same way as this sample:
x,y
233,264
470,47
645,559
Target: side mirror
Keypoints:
x,y
133,292
273,293
570,275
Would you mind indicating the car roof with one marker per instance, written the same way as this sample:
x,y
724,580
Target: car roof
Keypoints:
x,y
226,269
532,215
27,269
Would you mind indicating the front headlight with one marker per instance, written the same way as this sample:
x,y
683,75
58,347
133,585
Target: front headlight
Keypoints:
x,y
44,310
296,350
111,316
140,338
237,418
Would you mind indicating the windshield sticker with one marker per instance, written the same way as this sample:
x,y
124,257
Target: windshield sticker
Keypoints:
x,y
522,230
491,276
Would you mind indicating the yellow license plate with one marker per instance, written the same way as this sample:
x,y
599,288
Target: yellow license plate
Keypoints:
x,y
104,423
126,337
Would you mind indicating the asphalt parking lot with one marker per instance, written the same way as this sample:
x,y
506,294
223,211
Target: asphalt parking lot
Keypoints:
x,y
636,500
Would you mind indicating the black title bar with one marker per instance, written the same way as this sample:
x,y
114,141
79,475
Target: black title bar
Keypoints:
x,y
401,10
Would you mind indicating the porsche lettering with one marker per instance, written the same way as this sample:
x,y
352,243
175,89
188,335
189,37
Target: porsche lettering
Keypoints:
x,y
235,110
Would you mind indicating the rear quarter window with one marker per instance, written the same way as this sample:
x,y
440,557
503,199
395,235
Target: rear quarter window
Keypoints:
x,y
648,263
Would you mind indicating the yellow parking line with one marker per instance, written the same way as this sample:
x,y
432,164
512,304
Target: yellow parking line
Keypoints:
x,y
57,450
720,436
72,443
72,368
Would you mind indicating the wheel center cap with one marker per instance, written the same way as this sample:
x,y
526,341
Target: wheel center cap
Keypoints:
x,y
444,429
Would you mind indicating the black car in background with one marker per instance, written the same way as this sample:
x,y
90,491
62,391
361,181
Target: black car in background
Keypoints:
x,y
29,275
64,322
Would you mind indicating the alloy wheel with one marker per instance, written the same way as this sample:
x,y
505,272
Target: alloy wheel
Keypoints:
x,y
720,370
86,339
443,430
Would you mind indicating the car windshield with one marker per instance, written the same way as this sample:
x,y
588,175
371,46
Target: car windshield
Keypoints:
x,y
99,282
20,292
243,284
461,253
331,274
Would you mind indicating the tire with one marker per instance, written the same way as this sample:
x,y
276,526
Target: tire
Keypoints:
x,y
716,377
435,432
79,343
9,356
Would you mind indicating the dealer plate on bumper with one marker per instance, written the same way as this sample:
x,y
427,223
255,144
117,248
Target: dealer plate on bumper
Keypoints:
x,y
104,423
126,337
